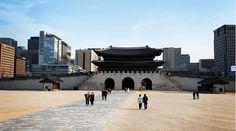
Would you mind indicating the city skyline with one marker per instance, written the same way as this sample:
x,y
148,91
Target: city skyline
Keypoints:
x,y
101,23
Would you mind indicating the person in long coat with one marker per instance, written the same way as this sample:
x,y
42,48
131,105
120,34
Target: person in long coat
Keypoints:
x,y
194,95
197,93
92,98
87,96
145,101
105,94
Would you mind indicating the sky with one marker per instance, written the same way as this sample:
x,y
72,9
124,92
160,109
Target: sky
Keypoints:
x,y
188,24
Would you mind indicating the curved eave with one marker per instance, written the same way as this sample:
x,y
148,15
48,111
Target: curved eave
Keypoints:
x,y
129,52
128,63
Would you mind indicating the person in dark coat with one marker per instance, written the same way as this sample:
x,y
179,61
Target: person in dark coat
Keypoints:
x,y
194,95
102,94
145,101
105,94
87,96
197,93
92,98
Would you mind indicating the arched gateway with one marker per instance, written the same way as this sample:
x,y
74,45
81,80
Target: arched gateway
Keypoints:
x,y
128,83
147,84
127,66
109,83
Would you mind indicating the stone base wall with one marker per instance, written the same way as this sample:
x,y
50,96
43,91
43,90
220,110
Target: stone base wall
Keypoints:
x,y
190,84
69,83
159,82
187,83
97,82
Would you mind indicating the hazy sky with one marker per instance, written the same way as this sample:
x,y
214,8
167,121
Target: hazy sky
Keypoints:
x,y
188,24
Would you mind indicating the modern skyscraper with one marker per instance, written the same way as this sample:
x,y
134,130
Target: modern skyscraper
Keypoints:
x,y
50,48
172,57
224,49
7,60
66,53
32,55
84,59
33,43
33,50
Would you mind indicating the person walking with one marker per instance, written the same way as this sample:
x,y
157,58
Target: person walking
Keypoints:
x,y
87,96
145,101
197,93
105,94
194,95
140,101
92,98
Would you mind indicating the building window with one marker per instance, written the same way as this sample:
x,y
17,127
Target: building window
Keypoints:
x,y
83,61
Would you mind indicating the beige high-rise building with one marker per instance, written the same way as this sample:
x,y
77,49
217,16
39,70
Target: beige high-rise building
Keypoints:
x,y
20,66
84,58
7,56
172,57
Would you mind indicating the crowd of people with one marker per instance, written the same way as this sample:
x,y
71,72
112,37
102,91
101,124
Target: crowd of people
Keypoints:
x,y
141,100
90,98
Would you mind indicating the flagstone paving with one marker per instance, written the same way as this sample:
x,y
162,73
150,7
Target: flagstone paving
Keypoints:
x,y
74,116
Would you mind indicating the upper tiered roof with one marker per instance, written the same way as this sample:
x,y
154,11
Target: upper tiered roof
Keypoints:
x,y
128,53
128,58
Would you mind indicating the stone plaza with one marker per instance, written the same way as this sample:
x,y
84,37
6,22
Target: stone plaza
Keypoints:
x,y
66,110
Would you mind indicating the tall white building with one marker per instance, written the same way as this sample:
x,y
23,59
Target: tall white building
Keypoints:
x,y
84,58
51,49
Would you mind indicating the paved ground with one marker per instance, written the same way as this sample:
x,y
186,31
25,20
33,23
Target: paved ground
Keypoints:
x,y
17,103
176,111
75,116
66,110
